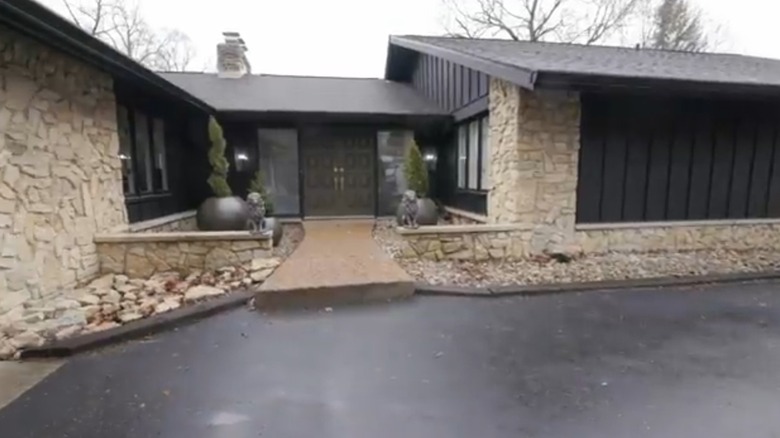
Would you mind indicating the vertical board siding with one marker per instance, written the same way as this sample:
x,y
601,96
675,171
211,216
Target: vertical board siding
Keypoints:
x,y
452,86
663,159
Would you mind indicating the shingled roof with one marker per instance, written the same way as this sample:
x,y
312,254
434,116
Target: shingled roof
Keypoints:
x,y
280,94
556,65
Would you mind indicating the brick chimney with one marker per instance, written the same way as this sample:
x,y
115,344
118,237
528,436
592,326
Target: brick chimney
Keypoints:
x,y
232,62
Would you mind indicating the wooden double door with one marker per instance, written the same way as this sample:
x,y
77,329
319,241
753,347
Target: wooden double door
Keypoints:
x,y
339,172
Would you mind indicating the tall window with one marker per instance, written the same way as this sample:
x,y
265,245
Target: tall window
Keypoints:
x,y
484,129
126,150
463,140
142,152
473,155
160,177
279,163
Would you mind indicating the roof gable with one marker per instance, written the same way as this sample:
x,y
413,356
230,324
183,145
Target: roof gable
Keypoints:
x,y
556,65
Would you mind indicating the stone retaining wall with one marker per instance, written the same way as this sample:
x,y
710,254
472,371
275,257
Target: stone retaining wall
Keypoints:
x,y
461,217
140,255
60,173
465,242
184,221
679,236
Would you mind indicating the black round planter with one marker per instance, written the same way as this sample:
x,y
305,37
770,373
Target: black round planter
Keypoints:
x,y
427,212
223,214
272,223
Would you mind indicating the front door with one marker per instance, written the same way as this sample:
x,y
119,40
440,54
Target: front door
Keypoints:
x,y
339,172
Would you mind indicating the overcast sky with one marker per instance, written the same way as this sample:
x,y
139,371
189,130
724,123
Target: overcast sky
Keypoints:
x,y
349,37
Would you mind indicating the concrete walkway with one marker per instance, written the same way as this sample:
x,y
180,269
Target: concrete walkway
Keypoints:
x,y
337,262
18,377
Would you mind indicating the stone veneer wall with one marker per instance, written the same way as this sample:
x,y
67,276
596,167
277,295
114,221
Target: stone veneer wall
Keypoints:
x,y
465,242
144,254
534,146
60,175
680,236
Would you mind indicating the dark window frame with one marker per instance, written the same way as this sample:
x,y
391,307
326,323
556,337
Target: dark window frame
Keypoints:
x,y
163,189
483,142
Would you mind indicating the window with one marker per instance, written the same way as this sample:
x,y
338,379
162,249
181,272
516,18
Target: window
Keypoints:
x,y
473,155
125,150
462,155
484,129
142,152
160,177
473,181
278,155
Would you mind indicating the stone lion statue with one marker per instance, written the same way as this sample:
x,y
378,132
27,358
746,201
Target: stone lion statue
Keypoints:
x,y
410,209
256,212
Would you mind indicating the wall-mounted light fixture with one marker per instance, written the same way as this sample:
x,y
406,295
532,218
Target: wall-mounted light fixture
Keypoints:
x,y
430,157
242,160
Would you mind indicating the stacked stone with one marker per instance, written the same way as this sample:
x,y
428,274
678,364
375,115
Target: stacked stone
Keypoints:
x,y
534,146
112,300
60,175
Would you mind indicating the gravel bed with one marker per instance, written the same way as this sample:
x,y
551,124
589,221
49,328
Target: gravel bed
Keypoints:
x,y
612,266
293,235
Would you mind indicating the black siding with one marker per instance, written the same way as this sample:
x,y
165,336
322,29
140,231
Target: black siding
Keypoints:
x,y
662,159
451,86
463,92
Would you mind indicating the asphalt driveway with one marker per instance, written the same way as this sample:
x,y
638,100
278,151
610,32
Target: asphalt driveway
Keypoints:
x,y
697,362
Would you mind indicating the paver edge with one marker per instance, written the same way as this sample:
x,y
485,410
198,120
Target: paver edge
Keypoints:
x,y
558,288
136,329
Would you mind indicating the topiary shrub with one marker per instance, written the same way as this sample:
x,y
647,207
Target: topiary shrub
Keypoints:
x,y
219,164
415,171
258,185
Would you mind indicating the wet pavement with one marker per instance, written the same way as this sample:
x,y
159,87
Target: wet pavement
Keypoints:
x,y
699,362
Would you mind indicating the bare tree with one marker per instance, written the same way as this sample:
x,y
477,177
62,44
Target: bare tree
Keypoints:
x,y
122,25
581,21
678,26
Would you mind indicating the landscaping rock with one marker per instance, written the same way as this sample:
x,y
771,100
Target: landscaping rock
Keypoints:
x,y
568,265
263,264
129,316
126,289
102,326
200,292
102,283
112,300
88,300
111,297
68,332
261,275
91,312
26,340
7,350
120,280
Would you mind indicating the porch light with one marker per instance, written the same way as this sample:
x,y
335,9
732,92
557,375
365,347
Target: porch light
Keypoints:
x,y
242,157
124,157
430,157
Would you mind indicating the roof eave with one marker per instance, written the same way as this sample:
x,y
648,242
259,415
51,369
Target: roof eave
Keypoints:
x,y
40,23
523,77
587,82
